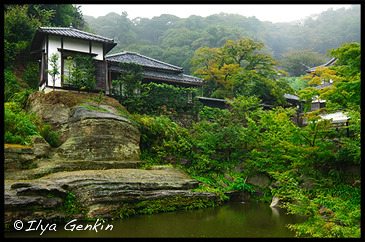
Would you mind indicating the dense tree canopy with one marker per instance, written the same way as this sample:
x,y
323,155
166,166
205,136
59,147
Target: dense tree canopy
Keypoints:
x,y
297,62
161,36
240,68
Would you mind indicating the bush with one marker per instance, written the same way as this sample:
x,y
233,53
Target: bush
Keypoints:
x,y
162,137
30,75
11,85
18,126
161,99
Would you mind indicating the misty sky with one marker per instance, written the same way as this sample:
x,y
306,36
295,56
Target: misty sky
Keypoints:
x,y
264,12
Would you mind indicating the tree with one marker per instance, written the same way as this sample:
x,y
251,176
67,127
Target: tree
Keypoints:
x,y
18,32
346,77
80,72
53,61
241,68
63,15
296,62
130,79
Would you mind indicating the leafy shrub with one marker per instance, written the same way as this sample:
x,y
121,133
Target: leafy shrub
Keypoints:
x,y
18,126
11,85
161,99
30,75
80,72
161,137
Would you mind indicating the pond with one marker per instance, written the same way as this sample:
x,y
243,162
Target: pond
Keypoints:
x,y
233,219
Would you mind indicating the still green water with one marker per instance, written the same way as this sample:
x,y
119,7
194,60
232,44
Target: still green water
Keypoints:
x,y
234,219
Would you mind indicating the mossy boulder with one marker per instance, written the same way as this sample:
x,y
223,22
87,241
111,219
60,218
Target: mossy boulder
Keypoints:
x,y
99,135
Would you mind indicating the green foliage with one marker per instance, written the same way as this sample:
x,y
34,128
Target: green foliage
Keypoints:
x,y
333,210
209,113
163,205
100,97
297,62
345,92
129,81
297,83
160,137
80,72
54,71
61,15
18,126
261,141
30,75
307,163
162,99
241,68
241,185
21,21
11,85
71,205
50,136
18,32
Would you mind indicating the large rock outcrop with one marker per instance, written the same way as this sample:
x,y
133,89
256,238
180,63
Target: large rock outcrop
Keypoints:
x,y
103,194
99,135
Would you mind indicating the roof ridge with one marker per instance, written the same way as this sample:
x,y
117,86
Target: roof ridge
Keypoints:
x,y
150,58
77,30
87,33
146,57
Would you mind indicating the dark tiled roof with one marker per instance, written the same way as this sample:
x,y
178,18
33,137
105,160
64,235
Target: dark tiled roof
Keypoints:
x,y
166,76
72,33
291,96
180,77
329,63
128,57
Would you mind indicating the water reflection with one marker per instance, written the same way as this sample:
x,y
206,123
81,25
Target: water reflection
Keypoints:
x,y
234,219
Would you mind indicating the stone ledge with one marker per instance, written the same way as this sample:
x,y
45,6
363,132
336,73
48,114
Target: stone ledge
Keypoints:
x,y
101,192
46,167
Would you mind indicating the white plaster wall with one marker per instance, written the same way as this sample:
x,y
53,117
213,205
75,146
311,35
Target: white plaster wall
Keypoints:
x,y
76,44
83,46
97,48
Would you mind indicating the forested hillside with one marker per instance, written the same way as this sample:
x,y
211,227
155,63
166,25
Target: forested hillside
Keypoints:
x,y
174,40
